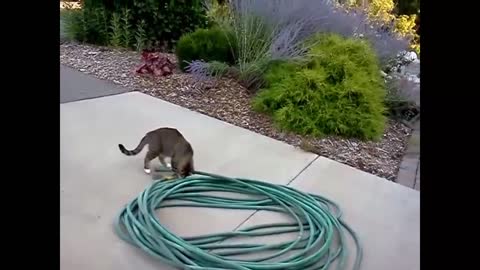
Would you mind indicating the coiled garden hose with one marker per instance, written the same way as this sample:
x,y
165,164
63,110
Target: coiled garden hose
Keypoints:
x,y
321,231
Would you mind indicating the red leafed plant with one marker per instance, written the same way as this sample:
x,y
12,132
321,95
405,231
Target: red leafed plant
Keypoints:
x,y
156,64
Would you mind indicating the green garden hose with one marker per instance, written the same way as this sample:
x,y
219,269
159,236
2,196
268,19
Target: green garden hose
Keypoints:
x,y
321,236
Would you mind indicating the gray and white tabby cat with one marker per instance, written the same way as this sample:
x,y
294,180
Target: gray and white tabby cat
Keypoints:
x,y
165,143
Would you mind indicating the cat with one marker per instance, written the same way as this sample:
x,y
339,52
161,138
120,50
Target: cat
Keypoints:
x,y
164,143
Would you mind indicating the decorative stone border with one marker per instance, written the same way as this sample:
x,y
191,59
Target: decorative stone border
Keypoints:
x,y
409,172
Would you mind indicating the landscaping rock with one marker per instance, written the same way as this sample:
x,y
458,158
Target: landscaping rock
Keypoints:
x,y
410,56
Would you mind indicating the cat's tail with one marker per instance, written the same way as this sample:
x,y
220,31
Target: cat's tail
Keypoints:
x,y
135,151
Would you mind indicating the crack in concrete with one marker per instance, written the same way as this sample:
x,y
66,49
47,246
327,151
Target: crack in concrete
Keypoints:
x,y
416,174
289,182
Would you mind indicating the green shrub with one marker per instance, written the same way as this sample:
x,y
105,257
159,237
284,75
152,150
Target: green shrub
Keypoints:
x,y
122,33
137,24
164,21
73,24
204,44
116,30
95,23
141,39
127,30
218,12
338,91
384,12
98,26
87,25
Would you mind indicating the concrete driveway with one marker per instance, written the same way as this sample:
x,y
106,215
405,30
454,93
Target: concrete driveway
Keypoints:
x,y
75,86
97,181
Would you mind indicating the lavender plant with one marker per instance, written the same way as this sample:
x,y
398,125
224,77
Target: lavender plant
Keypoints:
x,y
266,30
402,99
205,70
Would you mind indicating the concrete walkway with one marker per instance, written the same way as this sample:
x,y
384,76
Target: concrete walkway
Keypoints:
x,y
97,181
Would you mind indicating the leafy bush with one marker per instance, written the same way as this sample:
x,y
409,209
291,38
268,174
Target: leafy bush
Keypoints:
x,y
141,39
98,26
120,32
382,12
116,30
73,24
204,44
218,12
406,25
338,91
167,20
86,25
137,23
127,31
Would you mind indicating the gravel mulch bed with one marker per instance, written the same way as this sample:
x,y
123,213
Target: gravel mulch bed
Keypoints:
x,y
228,101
